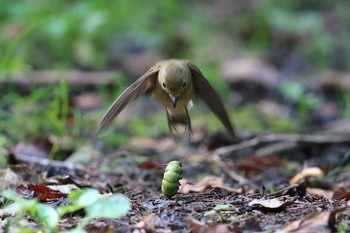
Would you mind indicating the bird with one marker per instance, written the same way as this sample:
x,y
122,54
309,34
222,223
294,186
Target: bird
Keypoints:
x,y
173,82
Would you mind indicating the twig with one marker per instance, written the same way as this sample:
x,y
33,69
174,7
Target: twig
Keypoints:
x,y
285,138
231,173
47,162
276,148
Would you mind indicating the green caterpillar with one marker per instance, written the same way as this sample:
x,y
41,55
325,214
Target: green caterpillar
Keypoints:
x,y
171,178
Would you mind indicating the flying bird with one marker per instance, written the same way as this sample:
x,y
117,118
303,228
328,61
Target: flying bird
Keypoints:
x,y
174,83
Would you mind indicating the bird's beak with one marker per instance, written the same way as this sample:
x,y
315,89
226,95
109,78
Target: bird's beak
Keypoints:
x,y
173,100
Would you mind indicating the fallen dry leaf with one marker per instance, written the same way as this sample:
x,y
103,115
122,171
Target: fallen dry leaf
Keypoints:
x,y
201,185
273,203
315,223
147,224
152,164
42,192
319,192
267,203
205,184
307,172
345,196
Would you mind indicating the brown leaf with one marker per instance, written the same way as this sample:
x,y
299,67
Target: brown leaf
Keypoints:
x,y
25,192
319,193
147,223
315,223
206,183
152,164
201,185
196,225
345,196
44,193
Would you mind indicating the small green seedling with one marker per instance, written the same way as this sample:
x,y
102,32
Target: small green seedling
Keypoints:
x,y
217,211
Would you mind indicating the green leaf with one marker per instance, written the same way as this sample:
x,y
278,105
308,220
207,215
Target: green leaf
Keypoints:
x,y
47,215
80,199
84,197
8,194
67,209
19,205
109,207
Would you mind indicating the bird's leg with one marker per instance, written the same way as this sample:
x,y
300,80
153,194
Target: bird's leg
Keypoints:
x,y
170,125
188,124
183,118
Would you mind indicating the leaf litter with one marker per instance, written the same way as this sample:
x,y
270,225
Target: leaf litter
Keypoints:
x,y
267,204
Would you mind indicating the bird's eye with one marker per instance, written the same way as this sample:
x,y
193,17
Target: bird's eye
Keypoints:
x,y
184,84
164,85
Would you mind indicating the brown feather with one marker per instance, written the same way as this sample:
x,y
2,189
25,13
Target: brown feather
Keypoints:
x,y
206,92
133,92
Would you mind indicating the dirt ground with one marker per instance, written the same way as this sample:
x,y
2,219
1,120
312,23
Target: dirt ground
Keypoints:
x,y
230,189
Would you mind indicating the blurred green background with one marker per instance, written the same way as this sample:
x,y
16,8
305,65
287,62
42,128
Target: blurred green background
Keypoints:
x,y
300,39
95,34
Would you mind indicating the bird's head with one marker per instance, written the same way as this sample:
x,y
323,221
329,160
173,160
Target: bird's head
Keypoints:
x,y
175,79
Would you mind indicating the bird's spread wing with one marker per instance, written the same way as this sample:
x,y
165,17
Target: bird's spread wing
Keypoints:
x,y
134,91
205,91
